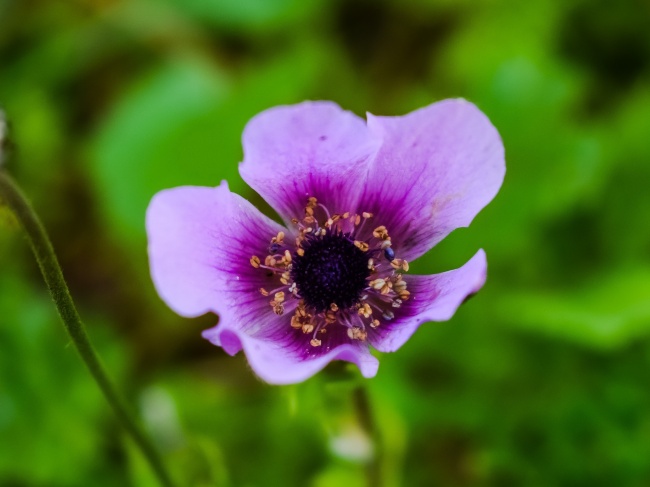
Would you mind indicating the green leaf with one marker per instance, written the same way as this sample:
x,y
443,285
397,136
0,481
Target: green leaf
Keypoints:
x,y
606,314
162,133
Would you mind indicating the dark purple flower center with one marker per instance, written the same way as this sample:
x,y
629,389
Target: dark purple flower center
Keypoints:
x,y
331,270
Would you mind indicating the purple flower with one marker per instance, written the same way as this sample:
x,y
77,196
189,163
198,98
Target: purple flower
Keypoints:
x,y
359,201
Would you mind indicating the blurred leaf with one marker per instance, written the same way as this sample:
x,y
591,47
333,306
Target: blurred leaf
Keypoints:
x,y
161,134
177,127
248,14
607,313
343,474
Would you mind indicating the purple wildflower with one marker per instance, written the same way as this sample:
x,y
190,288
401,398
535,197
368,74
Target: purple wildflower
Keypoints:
x,y
359,201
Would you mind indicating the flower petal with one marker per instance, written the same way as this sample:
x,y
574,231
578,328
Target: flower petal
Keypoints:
x,y
433,298
436,169
277,363
310,149
200,243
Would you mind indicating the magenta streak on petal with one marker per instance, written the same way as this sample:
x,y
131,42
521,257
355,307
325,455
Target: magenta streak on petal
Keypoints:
x,y
436,169
311,149
434,298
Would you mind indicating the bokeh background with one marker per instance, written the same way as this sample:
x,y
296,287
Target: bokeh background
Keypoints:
x,y
542,379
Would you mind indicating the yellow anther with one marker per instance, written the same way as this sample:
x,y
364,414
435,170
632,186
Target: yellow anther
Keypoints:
x,y
365,310
315,342
377,284
356,333
366,214
278,308
255,261
381,233
400,264
264,292
295,322
361,245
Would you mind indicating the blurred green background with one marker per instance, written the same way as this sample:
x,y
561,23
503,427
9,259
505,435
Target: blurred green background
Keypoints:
x,y
540,380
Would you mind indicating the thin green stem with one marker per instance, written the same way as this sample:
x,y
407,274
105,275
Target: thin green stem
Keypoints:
x,y
11,196
368,421
346,390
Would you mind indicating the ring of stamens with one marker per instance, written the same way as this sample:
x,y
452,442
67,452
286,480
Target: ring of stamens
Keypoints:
x,y
331,275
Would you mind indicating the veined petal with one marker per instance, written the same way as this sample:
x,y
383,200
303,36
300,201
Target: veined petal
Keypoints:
x,y
436,169
279,361
200,244
433,298
311,149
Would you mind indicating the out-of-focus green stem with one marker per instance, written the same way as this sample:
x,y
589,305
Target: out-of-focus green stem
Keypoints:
x,y
11,196
345,395
367,420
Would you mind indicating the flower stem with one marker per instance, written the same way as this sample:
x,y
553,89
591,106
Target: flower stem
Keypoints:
x,y
11,196
367,420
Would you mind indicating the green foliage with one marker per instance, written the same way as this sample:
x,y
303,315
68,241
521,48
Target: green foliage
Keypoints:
x,y
538,380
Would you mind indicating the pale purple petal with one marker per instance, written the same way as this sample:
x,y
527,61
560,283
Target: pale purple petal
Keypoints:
x,y
311,149
276,363
436,169
433,298
200,243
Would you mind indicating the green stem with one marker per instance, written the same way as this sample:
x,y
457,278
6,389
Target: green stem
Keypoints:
x,y
11,195
368,421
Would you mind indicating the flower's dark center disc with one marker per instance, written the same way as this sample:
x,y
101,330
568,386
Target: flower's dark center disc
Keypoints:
x,y
332,270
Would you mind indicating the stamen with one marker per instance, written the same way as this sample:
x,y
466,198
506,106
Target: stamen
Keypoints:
x,y
335,276
365,310
361,245
400,264
381,233
377,284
